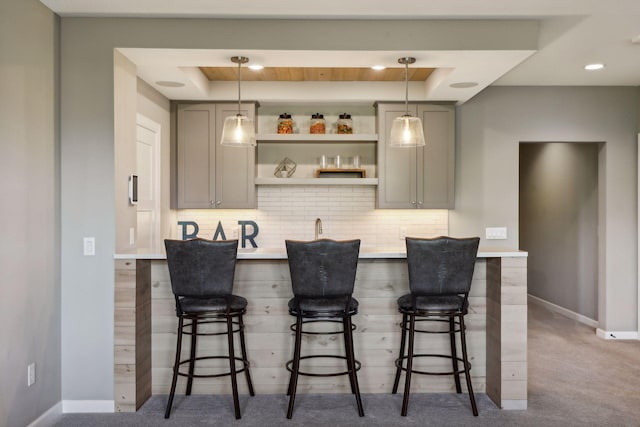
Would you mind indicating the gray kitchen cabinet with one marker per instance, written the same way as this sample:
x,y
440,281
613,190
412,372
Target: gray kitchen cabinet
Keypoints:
x,y
210,175
418,177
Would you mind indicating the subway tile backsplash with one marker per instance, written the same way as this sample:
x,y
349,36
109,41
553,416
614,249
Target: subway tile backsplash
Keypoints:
x,y
347,212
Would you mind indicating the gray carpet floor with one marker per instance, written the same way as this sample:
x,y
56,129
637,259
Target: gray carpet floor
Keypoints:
x,y
575,379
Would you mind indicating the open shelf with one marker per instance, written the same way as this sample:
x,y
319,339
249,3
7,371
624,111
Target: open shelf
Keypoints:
x,y
309,137
316,181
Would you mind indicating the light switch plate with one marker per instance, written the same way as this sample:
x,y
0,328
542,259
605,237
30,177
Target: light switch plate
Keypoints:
x,y
31,374
496,233
89,247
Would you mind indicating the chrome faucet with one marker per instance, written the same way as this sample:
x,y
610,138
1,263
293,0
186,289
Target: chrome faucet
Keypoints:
x,y
318,227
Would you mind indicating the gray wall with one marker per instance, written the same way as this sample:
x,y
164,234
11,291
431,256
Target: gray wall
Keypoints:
x,y
30,218
490,128
489,131
87,126
559,223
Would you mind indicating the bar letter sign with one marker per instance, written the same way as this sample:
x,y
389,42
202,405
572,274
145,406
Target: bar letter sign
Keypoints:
x,y
190,230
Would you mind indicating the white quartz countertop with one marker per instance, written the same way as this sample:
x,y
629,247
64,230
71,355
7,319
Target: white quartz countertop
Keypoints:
x,y
365,253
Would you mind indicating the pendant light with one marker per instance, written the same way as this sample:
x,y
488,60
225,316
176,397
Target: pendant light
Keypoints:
x,y
238,130
406,130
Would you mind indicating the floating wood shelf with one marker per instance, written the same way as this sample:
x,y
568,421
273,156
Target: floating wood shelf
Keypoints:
x,y
316,137
317,181
340,173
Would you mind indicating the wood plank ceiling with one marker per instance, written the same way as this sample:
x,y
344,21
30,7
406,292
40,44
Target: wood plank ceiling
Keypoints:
x,y
300,74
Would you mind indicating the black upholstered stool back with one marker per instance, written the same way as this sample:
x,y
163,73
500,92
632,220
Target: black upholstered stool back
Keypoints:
x,y
442,265
323,268
201,268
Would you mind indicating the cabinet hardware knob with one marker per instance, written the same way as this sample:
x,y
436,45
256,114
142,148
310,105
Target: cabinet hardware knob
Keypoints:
x,y
420,202
413,202
218,202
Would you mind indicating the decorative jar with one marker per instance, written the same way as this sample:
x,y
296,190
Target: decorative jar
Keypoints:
x,y
317,124
285,123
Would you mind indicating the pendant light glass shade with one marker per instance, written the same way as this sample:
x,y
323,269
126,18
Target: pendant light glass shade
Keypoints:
x,y
406,130
238,130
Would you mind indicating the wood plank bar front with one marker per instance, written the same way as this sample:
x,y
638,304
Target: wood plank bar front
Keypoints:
x,y
507,332
496,332
132,334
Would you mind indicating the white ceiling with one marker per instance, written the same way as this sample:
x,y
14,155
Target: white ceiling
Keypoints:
x,y
572,34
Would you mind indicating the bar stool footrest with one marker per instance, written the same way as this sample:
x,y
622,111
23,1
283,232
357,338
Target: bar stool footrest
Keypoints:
x,y
224,374
399,365
316,356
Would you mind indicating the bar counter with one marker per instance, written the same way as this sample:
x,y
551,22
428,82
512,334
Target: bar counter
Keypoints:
x,y
145,328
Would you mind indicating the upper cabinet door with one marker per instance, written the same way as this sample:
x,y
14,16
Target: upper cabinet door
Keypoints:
x,y
421,177
211,175
196,131
397,168
235,168
437,159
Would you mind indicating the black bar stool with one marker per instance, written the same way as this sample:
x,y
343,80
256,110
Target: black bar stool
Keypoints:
x,y
440,272
202,274
323,273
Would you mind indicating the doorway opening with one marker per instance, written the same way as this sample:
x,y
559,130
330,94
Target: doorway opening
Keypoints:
x,y
558,225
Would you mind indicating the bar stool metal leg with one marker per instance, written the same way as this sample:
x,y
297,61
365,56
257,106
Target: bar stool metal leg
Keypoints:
x,y
403,328
346,350
192,356
290,382
467,367
244,356
454,353
176,365
232,366
407,380
293,382
352,364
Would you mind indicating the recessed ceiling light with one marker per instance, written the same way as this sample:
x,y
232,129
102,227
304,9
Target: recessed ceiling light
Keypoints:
x,y
256,67
463,85
168,83
592,67
378,67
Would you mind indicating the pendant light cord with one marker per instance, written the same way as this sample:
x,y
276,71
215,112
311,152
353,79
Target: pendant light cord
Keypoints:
x,y
406,87
239,80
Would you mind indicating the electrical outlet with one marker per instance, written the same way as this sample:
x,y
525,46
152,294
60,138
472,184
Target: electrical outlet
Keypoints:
x,y
89,246
403,233
31,374
132,236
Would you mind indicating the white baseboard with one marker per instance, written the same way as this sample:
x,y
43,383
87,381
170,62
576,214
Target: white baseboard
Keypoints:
x,y
514,405
563,311
616,335
48,418
88,406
